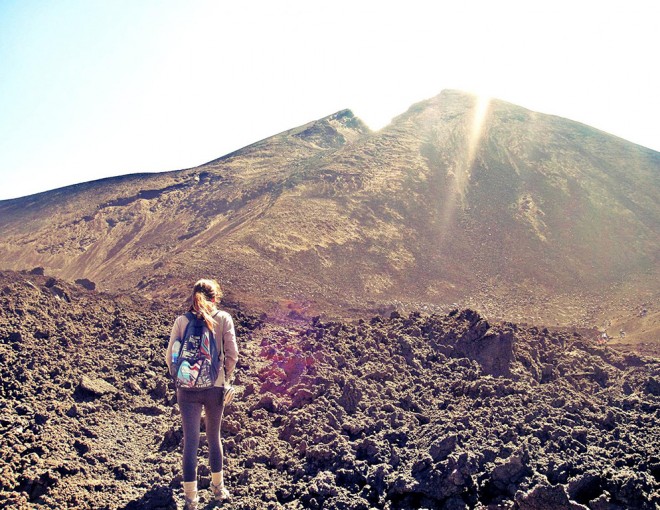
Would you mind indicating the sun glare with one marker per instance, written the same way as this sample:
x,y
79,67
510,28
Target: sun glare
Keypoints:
x,y
479,116
474,139
463,167
461,171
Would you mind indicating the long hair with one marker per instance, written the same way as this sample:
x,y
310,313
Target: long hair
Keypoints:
x,y
205,294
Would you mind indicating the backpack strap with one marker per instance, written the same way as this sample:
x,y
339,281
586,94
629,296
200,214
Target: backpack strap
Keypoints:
x,y
192,321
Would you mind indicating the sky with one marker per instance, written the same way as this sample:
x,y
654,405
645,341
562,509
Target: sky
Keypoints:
x,y
98,88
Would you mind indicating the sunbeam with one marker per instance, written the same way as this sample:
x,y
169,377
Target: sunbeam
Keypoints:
x,y
479,114
459,173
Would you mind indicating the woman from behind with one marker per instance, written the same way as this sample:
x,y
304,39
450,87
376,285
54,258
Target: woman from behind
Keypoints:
x,y
205,297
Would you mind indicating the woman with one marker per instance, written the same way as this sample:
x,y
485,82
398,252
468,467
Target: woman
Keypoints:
x,y
205,297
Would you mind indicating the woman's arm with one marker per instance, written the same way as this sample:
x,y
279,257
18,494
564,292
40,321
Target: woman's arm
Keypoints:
x,y
230,345
176,334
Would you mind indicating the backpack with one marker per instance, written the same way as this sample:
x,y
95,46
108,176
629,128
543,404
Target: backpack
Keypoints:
x,y
195,360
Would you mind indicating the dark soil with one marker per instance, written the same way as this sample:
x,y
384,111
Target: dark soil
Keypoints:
x,y
403,412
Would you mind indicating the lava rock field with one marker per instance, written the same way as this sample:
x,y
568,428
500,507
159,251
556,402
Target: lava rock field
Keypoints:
x,y
399,412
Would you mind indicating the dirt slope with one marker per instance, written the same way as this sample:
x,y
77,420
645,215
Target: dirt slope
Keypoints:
x,y
531,217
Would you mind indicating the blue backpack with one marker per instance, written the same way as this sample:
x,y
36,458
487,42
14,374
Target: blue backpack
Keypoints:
x,y
195,360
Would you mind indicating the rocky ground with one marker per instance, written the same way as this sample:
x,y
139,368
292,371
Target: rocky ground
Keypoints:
x,y
400,412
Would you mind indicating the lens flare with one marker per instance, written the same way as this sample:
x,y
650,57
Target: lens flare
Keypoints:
x,y
479,114
460,171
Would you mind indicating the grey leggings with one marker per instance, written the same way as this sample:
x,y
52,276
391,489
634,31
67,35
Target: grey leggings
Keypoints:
x,y
191,403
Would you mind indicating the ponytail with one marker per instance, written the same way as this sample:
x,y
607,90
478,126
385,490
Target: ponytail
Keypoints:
x,y
206,293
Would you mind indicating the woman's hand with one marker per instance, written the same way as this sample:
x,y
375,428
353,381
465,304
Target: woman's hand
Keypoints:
x,y
229,394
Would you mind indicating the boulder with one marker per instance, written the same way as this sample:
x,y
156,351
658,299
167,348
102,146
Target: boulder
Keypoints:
x,y
95,387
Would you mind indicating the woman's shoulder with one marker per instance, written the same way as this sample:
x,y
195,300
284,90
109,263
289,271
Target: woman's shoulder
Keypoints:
x,y
182,319
222,314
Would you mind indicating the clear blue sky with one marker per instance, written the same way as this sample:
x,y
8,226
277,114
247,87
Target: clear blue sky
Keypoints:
x,y
92,88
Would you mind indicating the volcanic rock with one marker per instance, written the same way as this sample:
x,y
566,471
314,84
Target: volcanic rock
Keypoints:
x,y
94,387
85,283
383,413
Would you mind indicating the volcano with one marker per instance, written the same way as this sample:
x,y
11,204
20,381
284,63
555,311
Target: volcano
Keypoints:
x,y
461,200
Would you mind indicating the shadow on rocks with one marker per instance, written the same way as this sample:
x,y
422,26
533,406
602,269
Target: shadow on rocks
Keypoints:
x,y
158,498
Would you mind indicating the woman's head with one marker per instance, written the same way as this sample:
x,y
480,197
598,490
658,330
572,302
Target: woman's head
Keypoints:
x,y
205,295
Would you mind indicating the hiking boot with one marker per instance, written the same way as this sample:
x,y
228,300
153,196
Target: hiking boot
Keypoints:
x,y
190,504
220,492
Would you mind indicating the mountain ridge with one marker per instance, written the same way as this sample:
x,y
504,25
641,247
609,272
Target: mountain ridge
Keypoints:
x,y
103,180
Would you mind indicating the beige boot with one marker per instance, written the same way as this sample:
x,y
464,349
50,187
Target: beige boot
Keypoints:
x,y
191,499
220,492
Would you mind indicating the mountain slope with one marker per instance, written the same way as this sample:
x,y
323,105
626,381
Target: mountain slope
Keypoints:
x,y
458,199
